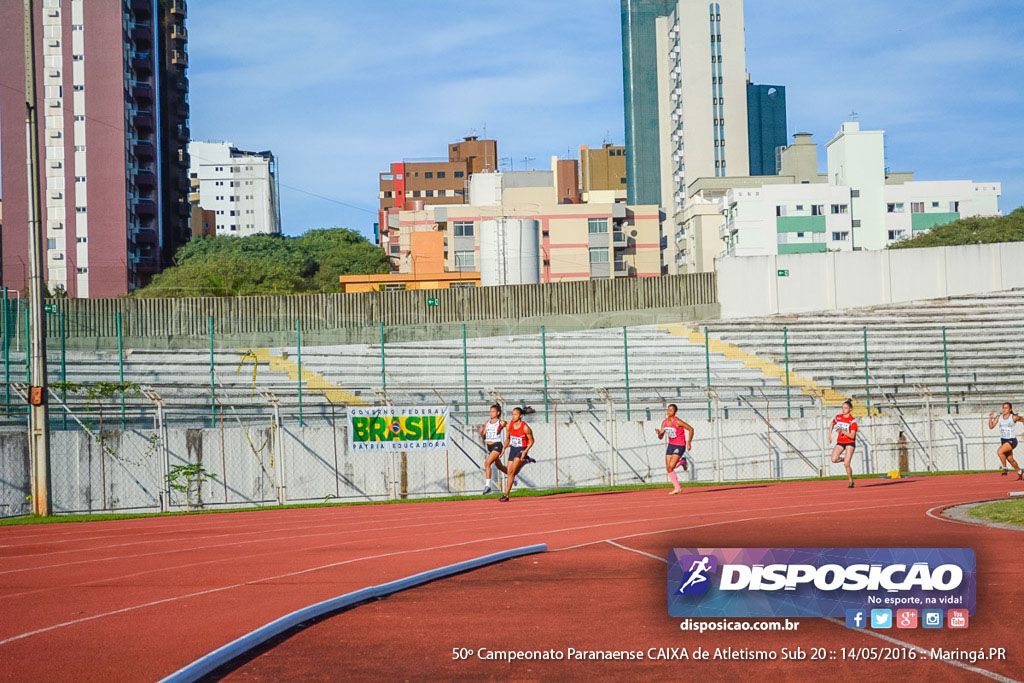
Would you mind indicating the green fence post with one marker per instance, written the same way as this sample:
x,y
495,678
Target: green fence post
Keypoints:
x,y
707,367
28,365
383,377
945,363
298,346
465,372
544,359
7,357
120,362
785,345
213,389
63,375
625,357
867,374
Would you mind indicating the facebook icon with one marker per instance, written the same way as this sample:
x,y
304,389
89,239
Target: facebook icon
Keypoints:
x,y
856,618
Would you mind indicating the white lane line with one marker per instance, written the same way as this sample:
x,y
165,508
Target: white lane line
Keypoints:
x,y
917,648
638,552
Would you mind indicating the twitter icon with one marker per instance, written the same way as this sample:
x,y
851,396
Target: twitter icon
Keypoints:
x,y
881,618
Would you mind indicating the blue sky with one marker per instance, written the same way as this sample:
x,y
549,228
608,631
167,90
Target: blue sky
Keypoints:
x,y
339,88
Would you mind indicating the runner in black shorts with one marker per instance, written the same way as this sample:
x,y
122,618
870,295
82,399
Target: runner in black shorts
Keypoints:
x,y
518,441
492,432
1007,437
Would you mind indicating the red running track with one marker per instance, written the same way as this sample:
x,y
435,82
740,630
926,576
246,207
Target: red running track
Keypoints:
x,y
138,599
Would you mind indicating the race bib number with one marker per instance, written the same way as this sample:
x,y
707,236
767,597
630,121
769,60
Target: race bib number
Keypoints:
x,y
516,441
1007,432
670,432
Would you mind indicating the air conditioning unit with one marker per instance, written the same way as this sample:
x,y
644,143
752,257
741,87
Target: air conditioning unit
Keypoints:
x,y
57,256
56,164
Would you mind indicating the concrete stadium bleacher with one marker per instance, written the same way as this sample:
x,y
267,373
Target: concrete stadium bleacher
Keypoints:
x,y
587,369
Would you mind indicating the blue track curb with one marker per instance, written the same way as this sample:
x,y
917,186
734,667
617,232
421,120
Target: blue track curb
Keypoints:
x,y
239,647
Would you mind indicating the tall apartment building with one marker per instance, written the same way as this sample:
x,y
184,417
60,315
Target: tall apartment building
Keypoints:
x,y
112,96
239,187
602,169
766,126
684,69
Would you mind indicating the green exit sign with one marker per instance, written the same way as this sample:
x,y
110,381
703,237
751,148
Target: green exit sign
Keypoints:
x,y
433,301
50,308
783,273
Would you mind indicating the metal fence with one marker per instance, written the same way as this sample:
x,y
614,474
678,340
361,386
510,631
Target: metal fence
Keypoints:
x,y
258,450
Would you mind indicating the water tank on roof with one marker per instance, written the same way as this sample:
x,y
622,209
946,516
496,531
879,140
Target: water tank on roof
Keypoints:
x,y
509,252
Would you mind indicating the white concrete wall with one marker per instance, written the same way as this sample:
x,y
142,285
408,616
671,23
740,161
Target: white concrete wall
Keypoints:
x,y
750,286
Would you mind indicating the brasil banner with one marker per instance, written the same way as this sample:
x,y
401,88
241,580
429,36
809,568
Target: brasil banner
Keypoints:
x,y
389,428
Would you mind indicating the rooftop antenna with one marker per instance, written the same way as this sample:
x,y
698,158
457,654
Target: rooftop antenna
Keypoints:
x,y
484,136
854,115
526,162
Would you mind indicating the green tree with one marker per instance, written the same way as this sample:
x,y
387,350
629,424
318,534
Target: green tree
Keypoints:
x,y
267,264
1008,228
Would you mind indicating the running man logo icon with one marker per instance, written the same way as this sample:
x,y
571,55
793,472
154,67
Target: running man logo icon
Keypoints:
x,y
696,580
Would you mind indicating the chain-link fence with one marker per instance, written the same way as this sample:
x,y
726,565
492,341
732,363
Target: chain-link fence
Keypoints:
x,y
262,451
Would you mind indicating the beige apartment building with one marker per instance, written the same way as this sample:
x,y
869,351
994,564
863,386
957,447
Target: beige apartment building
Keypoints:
x,y
602,169
518,216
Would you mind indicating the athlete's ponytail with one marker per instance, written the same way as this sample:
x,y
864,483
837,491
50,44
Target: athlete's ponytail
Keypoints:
x,y
496,407
848,402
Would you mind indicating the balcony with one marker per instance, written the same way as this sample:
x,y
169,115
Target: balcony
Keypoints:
x,y
178,8
142,121
142,92
179,58
142,61
619,240
145,208
179,33
145,178
621,268
144,149
142,35
142,8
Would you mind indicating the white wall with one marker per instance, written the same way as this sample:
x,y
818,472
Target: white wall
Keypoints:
x,y
750,286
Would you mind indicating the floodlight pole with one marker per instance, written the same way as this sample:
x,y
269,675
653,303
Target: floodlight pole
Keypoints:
x,y
39,424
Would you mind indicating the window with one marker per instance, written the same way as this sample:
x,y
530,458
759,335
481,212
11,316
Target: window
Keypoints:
x,y
597,226
82,271
79,209
81,240
778,210
799,207
79,178
440,174
935,205
855,194
896,234
79,148
80,117
855,223
231,213
465,259
917,207
77,58
460,174
428,193
78,88
51,243
893,207
598,255
394,248
818,210
840,236
800,234
463,228
428,174
840,208
77,27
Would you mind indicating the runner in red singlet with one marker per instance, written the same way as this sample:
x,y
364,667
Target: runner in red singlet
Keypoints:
x,y
845,425
518,442
679,435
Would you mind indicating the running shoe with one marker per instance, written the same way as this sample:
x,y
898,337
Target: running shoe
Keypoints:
x,y
850,486
503,499
527,460
487,489
1003,474
1020,476
686,465
675,492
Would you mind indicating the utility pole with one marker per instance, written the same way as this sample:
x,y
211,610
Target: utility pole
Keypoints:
x,y
39,423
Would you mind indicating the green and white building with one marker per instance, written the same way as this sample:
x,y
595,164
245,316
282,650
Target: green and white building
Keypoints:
x,y
857,205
